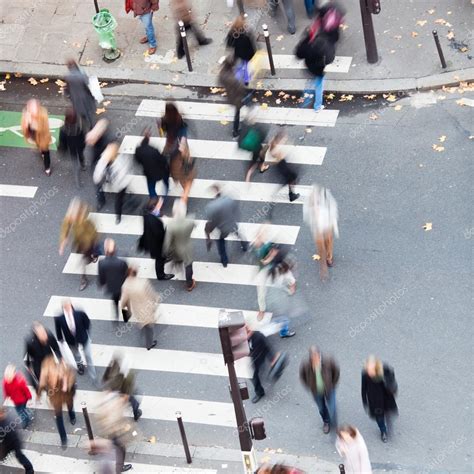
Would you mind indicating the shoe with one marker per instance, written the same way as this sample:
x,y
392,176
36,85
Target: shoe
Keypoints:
x,y
235,133
326,428
288,334
256,398
80,369
318,109
208,244
166,276
224,263
205,41
150,51
137,415
153,344
99,206
94,258
72,421
294,196
330,263
180,54
64,445
83,284
191,286
126,467
48,172
291,30
244,246
144,40
384,438
118,220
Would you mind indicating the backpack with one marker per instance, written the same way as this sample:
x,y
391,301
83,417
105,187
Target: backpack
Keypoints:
x,y
251,141
332,19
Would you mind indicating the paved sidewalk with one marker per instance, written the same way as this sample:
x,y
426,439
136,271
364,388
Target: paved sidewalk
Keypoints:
x,y
38,35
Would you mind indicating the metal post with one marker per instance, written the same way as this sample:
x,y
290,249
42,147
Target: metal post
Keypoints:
x,y
440,51
88,427
189,459
342,469
96,5
240,6
182,32
266,34
369,34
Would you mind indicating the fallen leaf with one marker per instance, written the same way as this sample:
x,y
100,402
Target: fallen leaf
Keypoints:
x,y
264,105
343,26
309,130
7,76
422,22
392,51
2,87
152,439
293,97
77,45
450,35
398,107
32,81
419,45
390,97
330,96
442,138
346,98
373,116
281,94
278,101
106,103
214,90
428,226
448,25
100,111
224,122
286,96
370,96
103,84
316,257
414,34
259,84
463,49
398,37
18,74
169,86
279,38
60,83
440,21
437,148
44,80
268,93
89,62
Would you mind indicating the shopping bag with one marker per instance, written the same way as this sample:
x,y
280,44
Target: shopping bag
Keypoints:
x,y
67,354
258,64
94,87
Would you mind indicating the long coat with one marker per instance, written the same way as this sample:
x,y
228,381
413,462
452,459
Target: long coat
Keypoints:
x,y
142,300
178,244
329,372
378,394
153,235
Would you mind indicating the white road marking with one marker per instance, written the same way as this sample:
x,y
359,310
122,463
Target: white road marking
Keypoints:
x,y
14,190
341,64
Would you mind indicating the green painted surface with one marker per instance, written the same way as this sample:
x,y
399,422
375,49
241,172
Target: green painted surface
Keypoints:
x,y
10,130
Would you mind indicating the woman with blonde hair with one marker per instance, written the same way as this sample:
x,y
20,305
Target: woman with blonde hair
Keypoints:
x,y
378,392
59,381
35,128
351,446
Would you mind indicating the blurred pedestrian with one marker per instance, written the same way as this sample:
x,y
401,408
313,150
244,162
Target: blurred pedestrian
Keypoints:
x,y
289,12
112,273
278,469
85,239
59,381
379,388
178,246
144,9
183,170
15,388
12,442
276,154
320,375
78,91
153,237
139,297
223,214
114,168
311,7
155,165
182,11
172,126
39,345
72,141
241,40
35,128
351,446
73,328
321,214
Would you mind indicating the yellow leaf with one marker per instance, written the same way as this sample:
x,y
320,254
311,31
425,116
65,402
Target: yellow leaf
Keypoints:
x,y
370,96
169,86
7,76
440,21
2,87
463,49
32,81
414,34
60,83
391,98
422,22
264,106
279,38
398,107
268,93
316,257
103,84
373,116
450,35
214,90
259,84
343,26
330,96
281,94
428,226
442,138
18,74
100,111
346,98
89,62
224,122
152,440
44,80
106,103
437,148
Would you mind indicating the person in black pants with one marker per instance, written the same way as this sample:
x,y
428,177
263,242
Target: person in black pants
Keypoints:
x,y
112,274
11,441
153,238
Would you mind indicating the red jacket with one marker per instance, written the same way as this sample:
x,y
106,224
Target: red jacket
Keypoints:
x,y
141,7
17,390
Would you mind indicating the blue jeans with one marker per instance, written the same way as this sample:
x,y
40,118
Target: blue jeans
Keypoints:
x,y
327,407
152,184
285,326
381,423
147,20
311,6
242,72
289,11
318,92
24,414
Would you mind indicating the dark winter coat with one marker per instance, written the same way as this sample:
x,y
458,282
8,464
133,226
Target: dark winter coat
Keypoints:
x,y
37,352
153,235
260,349
155,166
316,53
378,395
10,439
243,45
112,274
72,139
78,91
329,371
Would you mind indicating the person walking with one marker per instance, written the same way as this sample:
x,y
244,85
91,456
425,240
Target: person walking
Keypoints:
x,y
85,240
15,389
144,9
12,442
172,126
351,446
59,381
73,328
182,167
35,129
141,299
178,246
182,11
112,274
379,388
153,237
289,12
40,344
320,375
222,214
155,165
321,214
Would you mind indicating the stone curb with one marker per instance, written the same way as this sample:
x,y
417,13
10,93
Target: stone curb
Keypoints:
x,y
194,79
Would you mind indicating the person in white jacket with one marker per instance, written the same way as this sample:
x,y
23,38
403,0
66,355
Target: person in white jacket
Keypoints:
x,y
351,446
114,167
321,214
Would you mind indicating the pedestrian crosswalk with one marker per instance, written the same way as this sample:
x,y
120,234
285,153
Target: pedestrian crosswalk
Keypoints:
x,y
10,190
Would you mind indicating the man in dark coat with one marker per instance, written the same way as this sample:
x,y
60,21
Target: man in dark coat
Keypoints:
x,y
320,375
39,346
153,238
10,441
155,165
73,327
112,274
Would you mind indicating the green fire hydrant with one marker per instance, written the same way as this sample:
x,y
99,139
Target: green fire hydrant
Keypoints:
x,y
104,23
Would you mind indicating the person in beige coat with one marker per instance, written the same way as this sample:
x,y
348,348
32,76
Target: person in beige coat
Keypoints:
x,y
139,297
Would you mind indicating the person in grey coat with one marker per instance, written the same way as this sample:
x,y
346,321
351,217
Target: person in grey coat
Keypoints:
x,y
178,245
223,214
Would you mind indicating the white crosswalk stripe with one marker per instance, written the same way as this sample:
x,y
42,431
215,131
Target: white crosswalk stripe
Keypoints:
x,y
133,225
220,112
209,272
341,64
15,190
222,150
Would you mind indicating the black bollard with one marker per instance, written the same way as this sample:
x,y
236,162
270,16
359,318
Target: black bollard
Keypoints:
x,y
342,469
88,427
184,39
96,5
266,34
189,460
368,27
440,51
